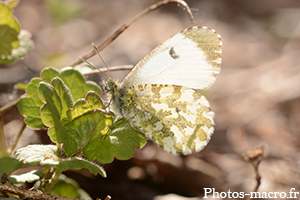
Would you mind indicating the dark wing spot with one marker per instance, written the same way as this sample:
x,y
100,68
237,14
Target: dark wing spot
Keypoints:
x,y
173,53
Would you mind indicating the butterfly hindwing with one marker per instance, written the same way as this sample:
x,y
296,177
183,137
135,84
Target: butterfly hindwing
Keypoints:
x,y
178,119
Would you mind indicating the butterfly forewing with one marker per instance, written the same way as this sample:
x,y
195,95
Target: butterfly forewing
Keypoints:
x,y
178,119
190,58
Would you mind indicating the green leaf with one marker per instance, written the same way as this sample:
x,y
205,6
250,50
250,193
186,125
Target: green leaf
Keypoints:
x,y
30,106
119,143
9,31
50,97
52,111
57,95
58,100
86,120
48,74
65,187
77,84
78,132
9,165
20,86
12,3
45,155
91,125
80,163
91,102
29,177
69,188
65,95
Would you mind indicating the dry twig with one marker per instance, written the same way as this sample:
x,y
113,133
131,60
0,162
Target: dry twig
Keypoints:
x,y
32,193
254,157
126,25
7,187
111,39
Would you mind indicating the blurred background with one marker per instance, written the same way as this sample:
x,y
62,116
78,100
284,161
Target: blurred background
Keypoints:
x,y
256,97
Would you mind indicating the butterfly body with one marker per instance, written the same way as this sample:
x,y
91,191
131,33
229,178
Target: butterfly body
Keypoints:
x,y
159,96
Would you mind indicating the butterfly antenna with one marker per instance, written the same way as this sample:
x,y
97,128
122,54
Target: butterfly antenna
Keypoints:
x,y
89,64
102,59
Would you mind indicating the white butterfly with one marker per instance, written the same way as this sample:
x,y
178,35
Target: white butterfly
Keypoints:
x,y
159,97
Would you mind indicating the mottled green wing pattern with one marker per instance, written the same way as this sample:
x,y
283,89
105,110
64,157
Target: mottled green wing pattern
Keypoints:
x,y
178,119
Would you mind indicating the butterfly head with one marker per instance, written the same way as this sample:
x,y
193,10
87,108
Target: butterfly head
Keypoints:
x,y
114,96
110,85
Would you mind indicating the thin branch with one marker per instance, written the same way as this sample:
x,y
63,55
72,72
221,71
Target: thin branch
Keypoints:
x,y
18,137
8,106
7,187
254,158
107,197
15,102
113,68
126,25
110,40
3,142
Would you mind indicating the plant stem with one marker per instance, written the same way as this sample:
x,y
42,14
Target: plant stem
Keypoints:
x,y
51,174
18,137
3,144
45,178
53,180
58,153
